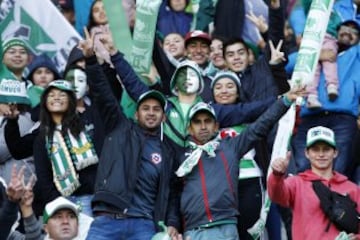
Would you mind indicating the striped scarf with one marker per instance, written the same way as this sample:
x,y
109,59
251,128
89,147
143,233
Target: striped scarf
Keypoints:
x,y
67,153
191,161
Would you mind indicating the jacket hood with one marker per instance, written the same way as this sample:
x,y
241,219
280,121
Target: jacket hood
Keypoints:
x,y
42,60
74,56
309,175
184,64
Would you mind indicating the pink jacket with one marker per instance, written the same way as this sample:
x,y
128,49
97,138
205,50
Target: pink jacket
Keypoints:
x,y
296,192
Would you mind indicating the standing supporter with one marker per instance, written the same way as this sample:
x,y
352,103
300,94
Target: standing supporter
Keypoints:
x,y
186,85
98,24
210,166
173,18
15,58
265,77
65,156
133,185
339,115
253,165
297,193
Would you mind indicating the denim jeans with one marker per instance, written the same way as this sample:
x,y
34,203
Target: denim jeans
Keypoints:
x,y
221,232
108,228
84,201
344,127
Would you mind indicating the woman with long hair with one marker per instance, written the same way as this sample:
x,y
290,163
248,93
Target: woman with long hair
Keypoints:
x,y
65,156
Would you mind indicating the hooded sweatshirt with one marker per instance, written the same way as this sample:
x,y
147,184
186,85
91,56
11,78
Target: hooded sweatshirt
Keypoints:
x,y
296,192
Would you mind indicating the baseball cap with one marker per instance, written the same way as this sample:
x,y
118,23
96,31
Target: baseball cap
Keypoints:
x,y
199,35
62,85
201,107
320,134
59,203
152,94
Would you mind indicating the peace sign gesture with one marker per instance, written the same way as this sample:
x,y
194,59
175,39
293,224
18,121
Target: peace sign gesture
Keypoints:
x,y
87,45
276,55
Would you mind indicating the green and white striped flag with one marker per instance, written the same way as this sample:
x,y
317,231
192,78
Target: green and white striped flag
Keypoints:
x,y
41,26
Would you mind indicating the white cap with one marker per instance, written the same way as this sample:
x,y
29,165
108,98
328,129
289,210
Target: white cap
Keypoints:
x,y
320,134
58,204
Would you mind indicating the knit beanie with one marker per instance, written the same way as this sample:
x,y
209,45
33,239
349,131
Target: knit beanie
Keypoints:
x,y
13,42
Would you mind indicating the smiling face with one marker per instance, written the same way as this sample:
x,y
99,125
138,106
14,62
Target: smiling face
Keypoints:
x,y
203,127
15,59
150,114
99,14
63,225
321,156
198,51
216,54
187,81
237,57
225,91
42,76
57,101
174,44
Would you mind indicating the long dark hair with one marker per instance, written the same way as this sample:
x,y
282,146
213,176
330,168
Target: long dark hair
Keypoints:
x,y
91,21
71,120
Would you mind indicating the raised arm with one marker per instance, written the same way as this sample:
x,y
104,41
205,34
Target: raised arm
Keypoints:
x,y
19,146
235,114
107,104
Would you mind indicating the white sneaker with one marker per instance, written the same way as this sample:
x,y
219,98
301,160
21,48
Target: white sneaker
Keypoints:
x,y
313,102
332,92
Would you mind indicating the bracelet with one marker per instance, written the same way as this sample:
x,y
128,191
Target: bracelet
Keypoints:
x,y
286,101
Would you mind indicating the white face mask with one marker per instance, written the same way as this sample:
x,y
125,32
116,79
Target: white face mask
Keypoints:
x,y
80,83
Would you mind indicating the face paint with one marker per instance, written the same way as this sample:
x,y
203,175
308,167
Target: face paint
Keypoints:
x,y
187,81
78,77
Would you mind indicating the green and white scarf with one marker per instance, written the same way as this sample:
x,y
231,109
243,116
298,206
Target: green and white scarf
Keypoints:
x,y
191,161
65,154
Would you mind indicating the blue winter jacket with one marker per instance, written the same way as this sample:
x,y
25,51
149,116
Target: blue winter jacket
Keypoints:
x,y
349,92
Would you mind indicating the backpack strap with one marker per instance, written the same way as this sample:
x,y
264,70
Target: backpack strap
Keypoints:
x,y
324,195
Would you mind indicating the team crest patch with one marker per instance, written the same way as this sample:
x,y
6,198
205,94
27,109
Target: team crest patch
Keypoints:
x,y
156,158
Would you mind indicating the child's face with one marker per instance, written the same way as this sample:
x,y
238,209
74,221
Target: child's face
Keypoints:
x,y
177,5
42,76
174,44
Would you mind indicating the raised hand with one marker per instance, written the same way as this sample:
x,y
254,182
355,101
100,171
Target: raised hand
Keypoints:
x,y
16,187
259,21
280,165
276,55
107,40
87,45
28,198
